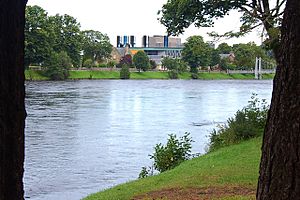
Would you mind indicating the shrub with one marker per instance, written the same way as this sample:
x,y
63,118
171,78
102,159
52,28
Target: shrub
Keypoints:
x,y
125,60
102,65
173,74
145,172
57,67
194,76
194,70
173,153
125,73
111,63
153,64
88,63
247,123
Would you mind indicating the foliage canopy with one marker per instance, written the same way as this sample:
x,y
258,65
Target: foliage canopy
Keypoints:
x,y
178,15
141,61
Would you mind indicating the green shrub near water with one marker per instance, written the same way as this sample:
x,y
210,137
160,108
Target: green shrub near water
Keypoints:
x,y
247,123
125,73
173,74
169,156
57,67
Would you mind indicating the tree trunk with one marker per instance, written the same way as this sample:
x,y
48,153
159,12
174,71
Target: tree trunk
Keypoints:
x,y
280,162
12,93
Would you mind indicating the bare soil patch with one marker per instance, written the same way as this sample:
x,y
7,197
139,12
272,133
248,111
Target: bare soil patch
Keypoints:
x,y
208,193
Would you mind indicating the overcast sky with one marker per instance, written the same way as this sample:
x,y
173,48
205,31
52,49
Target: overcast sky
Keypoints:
x,y
132,17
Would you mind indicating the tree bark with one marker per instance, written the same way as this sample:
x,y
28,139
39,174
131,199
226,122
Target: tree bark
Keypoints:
x,y
280,162
12,94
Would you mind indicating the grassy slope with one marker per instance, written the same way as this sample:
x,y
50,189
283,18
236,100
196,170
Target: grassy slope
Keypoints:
x,y
38,75
35,75
236,165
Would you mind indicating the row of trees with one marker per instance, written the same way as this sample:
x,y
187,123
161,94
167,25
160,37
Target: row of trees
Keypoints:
x,y
197,53
46,36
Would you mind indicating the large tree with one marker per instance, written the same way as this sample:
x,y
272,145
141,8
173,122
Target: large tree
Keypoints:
x,y
38,36
96,45
280,163
224,48
177,15
245,54
141,61
196,52
12,94
68,37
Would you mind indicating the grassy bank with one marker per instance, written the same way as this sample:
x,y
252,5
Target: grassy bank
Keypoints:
x,y
77,75
33,75
228,173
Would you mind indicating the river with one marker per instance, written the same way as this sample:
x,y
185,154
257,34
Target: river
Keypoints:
x,y
85,136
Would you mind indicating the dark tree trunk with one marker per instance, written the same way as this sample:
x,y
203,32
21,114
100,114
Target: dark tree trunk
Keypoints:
x,y
280,162
12,110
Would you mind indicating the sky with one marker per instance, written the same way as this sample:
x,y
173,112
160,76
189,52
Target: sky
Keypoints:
x,y
133,17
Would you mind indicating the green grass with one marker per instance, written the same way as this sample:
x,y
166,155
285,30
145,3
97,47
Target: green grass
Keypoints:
x,y
268,76
38,75
235,165
94,75
35,75
149,75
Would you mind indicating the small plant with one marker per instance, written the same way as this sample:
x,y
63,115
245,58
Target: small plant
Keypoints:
x,y
194,76
247,123
153,64
88,63
125,73
173,74
111,64
102,65
168,156
176,151
146,172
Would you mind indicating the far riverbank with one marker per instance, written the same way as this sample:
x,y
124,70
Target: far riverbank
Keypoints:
x,y
36,75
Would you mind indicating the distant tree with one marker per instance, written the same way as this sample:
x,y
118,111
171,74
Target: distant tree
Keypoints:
x,y
196,52
245,54
125,73
141,61
177,15
125,60
224,64
88,63
215,57
96,46
224,48
38,36
174,64
68,37
58,65
182,65
153,64
169,63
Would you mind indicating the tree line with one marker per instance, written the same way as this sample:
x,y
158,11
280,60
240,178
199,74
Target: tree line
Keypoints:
x,y
57,42
198,53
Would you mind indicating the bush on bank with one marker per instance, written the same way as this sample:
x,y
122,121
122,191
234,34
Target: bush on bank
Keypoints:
x,y
247,123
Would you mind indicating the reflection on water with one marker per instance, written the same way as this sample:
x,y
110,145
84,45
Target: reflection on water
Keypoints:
x,y
84,136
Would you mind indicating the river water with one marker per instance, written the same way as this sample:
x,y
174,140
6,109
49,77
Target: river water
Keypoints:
x,y
85,136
